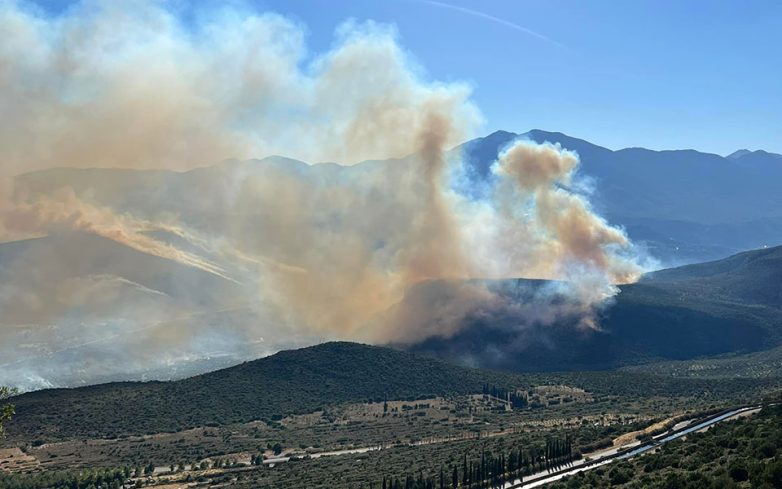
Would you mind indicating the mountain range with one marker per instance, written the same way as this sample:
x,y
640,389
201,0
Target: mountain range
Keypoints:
x,y
93,295
684,205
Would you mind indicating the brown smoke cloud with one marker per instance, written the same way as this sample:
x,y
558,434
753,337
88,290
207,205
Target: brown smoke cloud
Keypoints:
x,y
23,216
118,84
391,228
534,179
270,253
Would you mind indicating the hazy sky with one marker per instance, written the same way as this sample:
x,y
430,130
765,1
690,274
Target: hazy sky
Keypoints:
x,y
663,74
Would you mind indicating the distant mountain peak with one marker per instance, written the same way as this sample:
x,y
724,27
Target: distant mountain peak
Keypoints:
x,y
500,134
541,132
496,140
581,146
757,155
738,154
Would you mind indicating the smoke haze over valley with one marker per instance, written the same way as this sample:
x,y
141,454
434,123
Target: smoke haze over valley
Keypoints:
x,y
131,258
328,244
146,232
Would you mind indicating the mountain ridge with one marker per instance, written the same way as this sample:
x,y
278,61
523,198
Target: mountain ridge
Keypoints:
x,y
678,314
300,381
289,382
647,193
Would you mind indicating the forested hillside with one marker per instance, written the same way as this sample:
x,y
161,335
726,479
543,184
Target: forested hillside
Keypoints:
x,y
290,382
306,380
727,306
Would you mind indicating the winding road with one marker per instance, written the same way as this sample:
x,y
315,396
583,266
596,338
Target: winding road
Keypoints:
x,y
633,450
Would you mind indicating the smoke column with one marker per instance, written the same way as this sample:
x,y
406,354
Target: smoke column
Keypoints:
x,y
262,254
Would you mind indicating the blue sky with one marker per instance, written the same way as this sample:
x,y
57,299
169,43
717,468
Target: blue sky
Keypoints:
x,y
663,74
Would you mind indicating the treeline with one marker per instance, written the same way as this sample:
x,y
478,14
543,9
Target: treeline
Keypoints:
x,y
516,400
746,452
86,479
490,470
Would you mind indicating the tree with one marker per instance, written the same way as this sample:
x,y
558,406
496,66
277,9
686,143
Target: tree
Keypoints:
x,y
738,472
773,473
6,410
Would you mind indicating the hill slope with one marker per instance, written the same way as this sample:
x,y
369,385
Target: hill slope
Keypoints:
x,y
289,382
728,306
92,305
304,381
752,277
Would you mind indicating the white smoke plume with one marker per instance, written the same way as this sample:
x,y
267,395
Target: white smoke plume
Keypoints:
x,y
127,84
256,255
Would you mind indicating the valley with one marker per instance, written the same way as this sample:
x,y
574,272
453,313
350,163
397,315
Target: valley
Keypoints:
x,y
390,244
353,443
500,399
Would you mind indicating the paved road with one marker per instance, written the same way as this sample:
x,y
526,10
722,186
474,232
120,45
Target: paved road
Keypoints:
x,y
539,479
350,451
543,478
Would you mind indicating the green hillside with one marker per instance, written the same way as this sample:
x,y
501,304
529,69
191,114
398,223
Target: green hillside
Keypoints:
x,y
290,382
752,277
730,306
306,380
758,365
